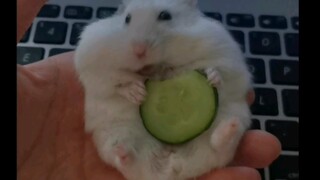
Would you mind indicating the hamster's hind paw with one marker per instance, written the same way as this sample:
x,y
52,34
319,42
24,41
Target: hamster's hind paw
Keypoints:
x,y
175,165
123,156
225,132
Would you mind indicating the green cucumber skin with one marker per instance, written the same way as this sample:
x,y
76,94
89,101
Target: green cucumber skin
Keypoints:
x,y
215,91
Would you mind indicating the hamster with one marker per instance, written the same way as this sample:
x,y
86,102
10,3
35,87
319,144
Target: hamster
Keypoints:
x,y
159,39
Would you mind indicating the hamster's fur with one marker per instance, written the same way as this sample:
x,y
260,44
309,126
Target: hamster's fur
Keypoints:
x,y
114,88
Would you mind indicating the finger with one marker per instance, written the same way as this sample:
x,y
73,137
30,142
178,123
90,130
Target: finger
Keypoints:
x,y
257,149
232,173
50,67
26,11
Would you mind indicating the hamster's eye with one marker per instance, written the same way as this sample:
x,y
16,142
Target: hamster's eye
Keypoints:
x,y
128,19
164,16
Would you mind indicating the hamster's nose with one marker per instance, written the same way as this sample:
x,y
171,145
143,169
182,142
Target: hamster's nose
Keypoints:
x,y
140,50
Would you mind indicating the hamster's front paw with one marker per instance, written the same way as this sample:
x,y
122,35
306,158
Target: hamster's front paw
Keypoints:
x,y
135,92
214,77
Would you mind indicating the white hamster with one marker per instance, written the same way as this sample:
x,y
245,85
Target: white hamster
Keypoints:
x,y
152,39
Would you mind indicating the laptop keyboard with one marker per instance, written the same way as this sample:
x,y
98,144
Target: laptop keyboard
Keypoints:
x,y
264,39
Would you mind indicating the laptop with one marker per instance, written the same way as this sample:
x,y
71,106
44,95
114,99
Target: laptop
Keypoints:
x,y
267,30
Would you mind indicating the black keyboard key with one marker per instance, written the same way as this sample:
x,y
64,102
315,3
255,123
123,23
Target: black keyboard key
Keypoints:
x,y
49,11
50,32
257,69
265,102
292,44
216,16
104,12
76,31
264,43
295,23
273,22
240,20
57,51
290,100
239,37
284,72
286,131
78,12
27,55
26,35
285,168
255,124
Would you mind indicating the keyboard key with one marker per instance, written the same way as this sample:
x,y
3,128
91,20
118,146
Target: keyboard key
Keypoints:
x,y
257,69
255,124
56,51
265,102
285,168
76,31
104,12
50,32
49,11
273,22
78,12
27,55
292,44
26,35
290,100
286,131
214,15
295,23
284,72
240,20
265,43
239,37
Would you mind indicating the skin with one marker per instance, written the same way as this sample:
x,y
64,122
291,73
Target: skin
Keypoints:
x,y
51,140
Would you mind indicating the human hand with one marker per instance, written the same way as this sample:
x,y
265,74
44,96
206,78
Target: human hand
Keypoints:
x,y
52,143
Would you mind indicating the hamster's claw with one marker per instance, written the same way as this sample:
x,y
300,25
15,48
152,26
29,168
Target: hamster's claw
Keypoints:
x,y
214,77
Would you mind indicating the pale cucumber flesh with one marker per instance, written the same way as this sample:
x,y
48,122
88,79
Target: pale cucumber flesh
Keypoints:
x,y
179,109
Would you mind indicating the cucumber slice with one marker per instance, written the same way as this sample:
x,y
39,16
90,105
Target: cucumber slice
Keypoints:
x,y
178,110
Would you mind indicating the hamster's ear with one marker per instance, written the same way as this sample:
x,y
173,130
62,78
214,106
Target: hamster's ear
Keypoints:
x,y
193,3
122,6
120,9
125,1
